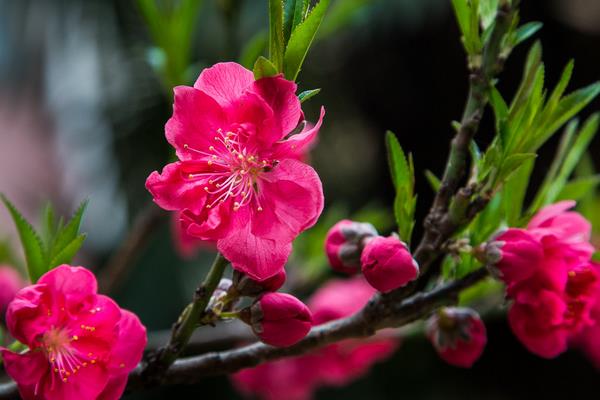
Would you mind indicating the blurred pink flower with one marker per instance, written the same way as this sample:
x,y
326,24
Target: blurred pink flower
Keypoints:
x,y
458,335
238,180
81,344
553,295
334,365
10,283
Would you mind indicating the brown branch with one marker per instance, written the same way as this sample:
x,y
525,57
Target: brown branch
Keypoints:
x,y
112,275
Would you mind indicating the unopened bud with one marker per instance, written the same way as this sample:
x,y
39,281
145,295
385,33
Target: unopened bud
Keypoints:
x,y
344,244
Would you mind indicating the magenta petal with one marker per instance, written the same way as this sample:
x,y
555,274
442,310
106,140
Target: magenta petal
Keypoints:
x,y
26,369
87,383
114,388
296,146
292,200
127,352
280,94
76,282
173,191
550,212
194,124
25,317
224,82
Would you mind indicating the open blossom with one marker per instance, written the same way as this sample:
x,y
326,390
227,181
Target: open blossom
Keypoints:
x,y
239,180
387,263
338,364
458,335
280,319
344,244
552,294
10,283
81,344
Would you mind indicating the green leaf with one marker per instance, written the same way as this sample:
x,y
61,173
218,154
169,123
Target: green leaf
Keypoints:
x,y
433,180
525,31
402,172
578,188
276,40
307,94
294,12
66,254
31,242
264,68
254,49
512,163
516,188
70,231
301,39
487,12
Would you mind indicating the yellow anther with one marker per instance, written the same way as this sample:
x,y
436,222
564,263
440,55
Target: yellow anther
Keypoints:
x,y
185,146
210,162
572,274
93,361
259,208
65,380
121,365
75,337
212,148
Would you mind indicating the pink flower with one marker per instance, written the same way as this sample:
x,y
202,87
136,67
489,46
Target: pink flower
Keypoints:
x,y
246,286
567,231
280,319
514,255
588,339
458,335
334,365
10,283
344,244
387,263
81,344
553,295
239,181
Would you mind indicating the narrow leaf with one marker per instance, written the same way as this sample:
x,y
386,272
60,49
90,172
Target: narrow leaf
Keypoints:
x,y
31,242
66,254
301,40
276,42
70,231
578,188
433,180
525,31
307,94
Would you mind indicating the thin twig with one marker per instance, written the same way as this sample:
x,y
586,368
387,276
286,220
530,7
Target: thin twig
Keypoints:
x,y
188,321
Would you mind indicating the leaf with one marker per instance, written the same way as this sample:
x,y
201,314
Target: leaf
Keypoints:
x,y
264,68
525,31
433,180
66,254
516,188
578,188
512,163
294,12
402,172
276,41
49,226
487,12
307,94
70,231
341,14
301,39
31,242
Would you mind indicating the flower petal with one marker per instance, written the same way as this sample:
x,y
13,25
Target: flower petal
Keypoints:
x,y
550,212
292,200
87,383
195,121
25,318
296,146
258,257
224,82
174,191
114,388
280,95
25,369
130,346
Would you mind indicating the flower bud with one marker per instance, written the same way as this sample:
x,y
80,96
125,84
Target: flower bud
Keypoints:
x,y
10,283
387,263
278,319
458,335
344,244
513,255
246,286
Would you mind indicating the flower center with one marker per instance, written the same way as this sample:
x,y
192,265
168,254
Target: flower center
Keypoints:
x,y
234,172
64,358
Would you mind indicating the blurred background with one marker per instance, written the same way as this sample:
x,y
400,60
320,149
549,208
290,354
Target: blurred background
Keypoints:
x,y
85,90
